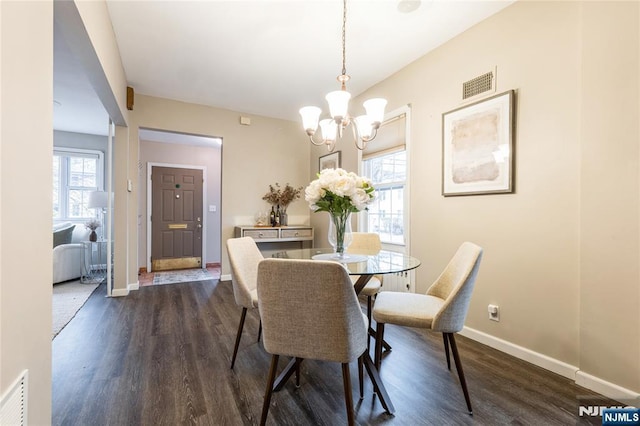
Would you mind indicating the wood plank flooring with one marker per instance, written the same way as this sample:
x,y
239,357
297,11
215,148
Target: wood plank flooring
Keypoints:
x,y
161,356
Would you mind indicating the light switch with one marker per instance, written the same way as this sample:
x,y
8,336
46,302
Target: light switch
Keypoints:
x,y
212,208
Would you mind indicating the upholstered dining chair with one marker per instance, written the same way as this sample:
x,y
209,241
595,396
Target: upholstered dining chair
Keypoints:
x,y
309,310
442,309
244,257
367,243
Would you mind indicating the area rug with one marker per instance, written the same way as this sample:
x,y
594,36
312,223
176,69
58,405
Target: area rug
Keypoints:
x,y
185,275
68,298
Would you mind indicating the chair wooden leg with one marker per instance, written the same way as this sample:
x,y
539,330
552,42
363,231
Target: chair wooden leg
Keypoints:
x,y
346,379
369,322
269,390
379,339
361,375
238,336
298,362
446,350
456,358
259,330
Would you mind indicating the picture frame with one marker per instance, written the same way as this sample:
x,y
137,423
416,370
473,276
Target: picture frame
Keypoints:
x,y
478,147
329,161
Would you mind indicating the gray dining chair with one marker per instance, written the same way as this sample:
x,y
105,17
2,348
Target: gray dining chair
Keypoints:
x,y
244,257
442,309
367,243
309,310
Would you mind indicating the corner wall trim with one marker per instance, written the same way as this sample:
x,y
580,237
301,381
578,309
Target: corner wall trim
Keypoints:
x,y
133,286
608,389
225,277
120,292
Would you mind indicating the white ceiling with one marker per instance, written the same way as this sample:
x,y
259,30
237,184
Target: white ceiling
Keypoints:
x,y
269,57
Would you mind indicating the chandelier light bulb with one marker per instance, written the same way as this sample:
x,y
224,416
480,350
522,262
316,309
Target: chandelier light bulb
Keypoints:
x,y
328,130
375,109
365,127
338,104
310,116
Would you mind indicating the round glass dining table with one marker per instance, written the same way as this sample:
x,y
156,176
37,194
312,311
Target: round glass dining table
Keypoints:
x,y
363,264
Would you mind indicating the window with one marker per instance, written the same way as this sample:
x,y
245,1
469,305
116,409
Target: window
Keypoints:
x,y
76,173
388,173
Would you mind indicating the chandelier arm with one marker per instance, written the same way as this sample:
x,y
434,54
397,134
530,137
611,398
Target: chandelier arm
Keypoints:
x,y
356,137
322,142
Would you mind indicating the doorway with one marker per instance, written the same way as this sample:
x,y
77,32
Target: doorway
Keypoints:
x,y
176,218
180,164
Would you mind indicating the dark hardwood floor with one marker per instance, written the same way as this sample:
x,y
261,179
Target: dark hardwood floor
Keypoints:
x,y
161,356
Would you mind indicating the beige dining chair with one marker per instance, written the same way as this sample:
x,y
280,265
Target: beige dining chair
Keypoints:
x,y
367,243
244,257
310,311
442,309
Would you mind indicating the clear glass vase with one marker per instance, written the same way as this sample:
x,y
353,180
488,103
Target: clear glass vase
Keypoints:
x,y
340,232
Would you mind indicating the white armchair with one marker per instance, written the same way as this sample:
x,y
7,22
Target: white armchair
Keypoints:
x,y
67,258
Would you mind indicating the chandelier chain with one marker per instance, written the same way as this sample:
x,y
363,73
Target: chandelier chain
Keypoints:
x,y
344,38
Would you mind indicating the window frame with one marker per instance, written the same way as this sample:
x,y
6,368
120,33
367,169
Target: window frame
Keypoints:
x,y
388,186
401,112
65,187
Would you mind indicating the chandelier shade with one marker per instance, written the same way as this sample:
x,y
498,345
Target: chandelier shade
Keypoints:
x,y
364,127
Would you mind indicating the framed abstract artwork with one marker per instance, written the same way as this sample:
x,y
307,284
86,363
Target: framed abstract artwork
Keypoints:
x,y
329,161
477,147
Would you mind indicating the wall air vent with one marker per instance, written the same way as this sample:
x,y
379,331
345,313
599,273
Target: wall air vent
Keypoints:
x,y
481,84
13,406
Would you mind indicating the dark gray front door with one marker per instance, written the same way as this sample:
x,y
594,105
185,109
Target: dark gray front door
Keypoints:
x,y
176,218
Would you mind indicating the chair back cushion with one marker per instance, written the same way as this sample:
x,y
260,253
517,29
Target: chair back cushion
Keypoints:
x,y
309,309
244,257
455,285
365,243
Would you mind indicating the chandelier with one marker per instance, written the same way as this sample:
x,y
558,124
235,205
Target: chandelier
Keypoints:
x,y
364,127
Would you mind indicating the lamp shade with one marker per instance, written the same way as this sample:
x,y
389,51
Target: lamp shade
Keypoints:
x,y
375,109
328,129
338,103
365,127
97,200
310,116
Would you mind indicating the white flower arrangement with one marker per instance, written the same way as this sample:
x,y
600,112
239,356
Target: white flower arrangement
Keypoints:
x,y
337,191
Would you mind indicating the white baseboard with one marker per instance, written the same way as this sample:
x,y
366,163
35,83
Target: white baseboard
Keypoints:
x,y
225,277
548,363
569,371
134,286
608,389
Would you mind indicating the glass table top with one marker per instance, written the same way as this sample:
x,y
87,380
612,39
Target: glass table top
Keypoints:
x,y
382,262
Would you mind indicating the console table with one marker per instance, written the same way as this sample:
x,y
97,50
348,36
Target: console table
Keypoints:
x,y
277,234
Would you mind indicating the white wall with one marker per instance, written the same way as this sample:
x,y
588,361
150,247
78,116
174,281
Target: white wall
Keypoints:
x,y
26,144
79,140
177,154
562,252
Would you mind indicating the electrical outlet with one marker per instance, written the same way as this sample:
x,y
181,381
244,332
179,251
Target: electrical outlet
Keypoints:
x,y
494,312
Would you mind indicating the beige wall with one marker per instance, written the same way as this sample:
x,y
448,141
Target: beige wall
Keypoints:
x,y
267,151
561,253
610,184
186,155
26,144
